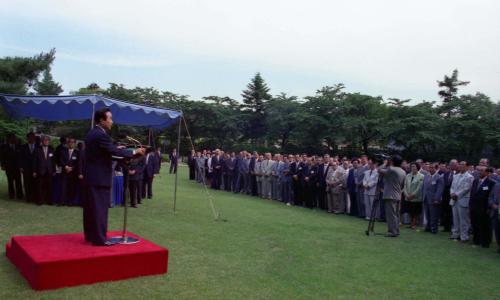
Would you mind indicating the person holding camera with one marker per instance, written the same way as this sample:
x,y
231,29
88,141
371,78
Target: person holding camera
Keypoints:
x,y
393,179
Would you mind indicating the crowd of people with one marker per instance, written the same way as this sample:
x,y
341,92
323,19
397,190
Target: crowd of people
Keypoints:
x,y
42,174
461,198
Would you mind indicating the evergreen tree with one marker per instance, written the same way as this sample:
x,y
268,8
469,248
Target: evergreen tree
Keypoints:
x,y
47,86
17,74
255,98
450,85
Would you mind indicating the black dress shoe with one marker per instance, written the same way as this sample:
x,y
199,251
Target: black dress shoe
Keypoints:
x,y
391,235
106,243
134,206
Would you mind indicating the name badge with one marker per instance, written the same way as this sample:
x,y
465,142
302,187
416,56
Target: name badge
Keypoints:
x,y
50,154
433,183
73,158
485,188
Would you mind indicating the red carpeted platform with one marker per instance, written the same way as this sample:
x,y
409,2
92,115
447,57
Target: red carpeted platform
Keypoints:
x,y
62,260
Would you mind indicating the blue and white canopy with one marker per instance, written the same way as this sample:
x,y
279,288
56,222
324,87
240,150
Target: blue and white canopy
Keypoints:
x,y
64,108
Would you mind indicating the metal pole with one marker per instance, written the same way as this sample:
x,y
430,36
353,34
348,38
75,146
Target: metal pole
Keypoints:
x,y
177,163
92,116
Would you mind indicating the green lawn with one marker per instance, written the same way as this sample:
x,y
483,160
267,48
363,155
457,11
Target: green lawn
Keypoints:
x,y
265,250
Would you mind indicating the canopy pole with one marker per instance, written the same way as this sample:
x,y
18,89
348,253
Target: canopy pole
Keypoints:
x,y
177,163
92,116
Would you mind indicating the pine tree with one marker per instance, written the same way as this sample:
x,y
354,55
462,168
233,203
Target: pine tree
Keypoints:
x,y
255,98
450,85
17,74
47,86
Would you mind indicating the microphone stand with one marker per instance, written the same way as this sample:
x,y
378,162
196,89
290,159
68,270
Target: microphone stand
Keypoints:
x,y
125,239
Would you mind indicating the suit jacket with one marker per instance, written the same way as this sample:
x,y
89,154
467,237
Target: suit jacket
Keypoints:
x,y
217,163
334,180
461,186
66,160
322,172
481,194
10,154
173,158
312,174
27,158
433,188
99,154
267,167
151,167
138,165
159,156
257,170
351,182
44,165
371,181
230,165
414,187
284,174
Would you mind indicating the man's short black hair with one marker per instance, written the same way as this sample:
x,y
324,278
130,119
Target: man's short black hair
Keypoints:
x,y
100,114
31,133
396,160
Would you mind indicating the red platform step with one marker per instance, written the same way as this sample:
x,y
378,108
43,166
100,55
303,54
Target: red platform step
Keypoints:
x,y
63,260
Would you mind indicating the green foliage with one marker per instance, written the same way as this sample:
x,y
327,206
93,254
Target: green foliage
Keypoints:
x,y
17,74
47,86
450,86
255,98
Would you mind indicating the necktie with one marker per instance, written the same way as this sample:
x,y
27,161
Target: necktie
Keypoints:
x,y
45,152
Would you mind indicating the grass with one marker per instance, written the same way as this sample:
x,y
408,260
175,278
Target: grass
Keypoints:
x,y
264,251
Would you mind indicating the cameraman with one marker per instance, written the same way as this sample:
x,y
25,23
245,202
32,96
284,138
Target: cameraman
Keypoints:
x,y
393,179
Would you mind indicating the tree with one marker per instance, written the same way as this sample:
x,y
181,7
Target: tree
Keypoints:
x,y
284,115
47,86
17,74
450,85
255,98
363,119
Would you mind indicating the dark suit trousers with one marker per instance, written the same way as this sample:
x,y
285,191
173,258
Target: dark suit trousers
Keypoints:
x,y
68,189
354,203
192,172
29,186
95,214
135,189
432,212
147,187
173,167
446,215
15,185
44,189
481,227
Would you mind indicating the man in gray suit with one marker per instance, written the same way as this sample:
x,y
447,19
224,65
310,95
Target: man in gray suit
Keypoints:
x,y
433,191
275,188
266,169
359,174
393,180
257,170
460,196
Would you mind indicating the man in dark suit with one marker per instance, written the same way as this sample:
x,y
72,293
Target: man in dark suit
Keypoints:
x,y
44,171
68,160
192,164
150,170
99,150
351,188
447,173
432,191
323,168
481,193
10,164
217,162
136,180
253,176
26,163
159,158
173,161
